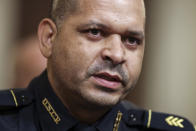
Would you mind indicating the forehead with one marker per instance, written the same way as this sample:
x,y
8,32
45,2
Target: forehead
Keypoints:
x,y
121,12
132,5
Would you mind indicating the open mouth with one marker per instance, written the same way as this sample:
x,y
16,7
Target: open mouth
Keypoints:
x,y
108,77
107,80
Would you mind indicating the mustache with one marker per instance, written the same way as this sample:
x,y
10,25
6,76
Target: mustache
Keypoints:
x,y
108,65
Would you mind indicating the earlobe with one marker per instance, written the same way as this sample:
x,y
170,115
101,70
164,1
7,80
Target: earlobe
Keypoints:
x,y
46,33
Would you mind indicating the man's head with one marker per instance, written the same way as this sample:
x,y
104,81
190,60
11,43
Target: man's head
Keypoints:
x,y
96,57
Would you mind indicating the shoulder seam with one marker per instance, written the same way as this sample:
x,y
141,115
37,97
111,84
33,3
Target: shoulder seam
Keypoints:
x,y
149,118
14,97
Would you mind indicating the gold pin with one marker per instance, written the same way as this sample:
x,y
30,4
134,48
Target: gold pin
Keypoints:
x,y
51,110
175,121
117,122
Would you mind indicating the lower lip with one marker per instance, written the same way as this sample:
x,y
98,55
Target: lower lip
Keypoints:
x,y
106,83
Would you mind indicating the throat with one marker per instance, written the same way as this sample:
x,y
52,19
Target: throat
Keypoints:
x,y
87,114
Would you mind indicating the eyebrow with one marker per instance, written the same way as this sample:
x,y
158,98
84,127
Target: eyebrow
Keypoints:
x,y
139,34
93,23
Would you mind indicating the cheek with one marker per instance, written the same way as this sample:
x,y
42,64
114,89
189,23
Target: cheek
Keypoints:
x,y
75,54
86,52
73,59
134,65
73,63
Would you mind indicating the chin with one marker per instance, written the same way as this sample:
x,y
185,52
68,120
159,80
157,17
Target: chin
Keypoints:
x,y
101,99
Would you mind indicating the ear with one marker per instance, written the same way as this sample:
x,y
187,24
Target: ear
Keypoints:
x,y
47,32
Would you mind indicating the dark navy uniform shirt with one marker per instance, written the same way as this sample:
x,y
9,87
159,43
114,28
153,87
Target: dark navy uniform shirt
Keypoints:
x,y
37,108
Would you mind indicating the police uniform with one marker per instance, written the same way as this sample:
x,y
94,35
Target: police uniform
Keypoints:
x,y
37,108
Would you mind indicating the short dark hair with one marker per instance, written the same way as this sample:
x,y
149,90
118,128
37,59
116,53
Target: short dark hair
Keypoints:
x,y
60,9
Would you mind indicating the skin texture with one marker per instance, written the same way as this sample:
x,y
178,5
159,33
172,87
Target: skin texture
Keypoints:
x,y
96,57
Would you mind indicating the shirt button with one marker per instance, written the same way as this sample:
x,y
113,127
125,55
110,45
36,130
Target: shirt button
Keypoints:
x,y
132,117
23,98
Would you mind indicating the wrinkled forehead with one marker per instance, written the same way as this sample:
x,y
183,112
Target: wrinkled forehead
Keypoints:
x,y
123,6
125,13
117,5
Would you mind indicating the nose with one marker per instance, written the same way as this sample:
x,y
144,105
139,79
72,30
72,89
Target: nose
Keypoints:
x,y
114,50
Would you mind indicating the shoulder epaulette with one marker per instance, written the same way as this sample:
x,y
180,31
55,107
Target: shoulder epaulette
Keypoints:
x,y
14,98
157,121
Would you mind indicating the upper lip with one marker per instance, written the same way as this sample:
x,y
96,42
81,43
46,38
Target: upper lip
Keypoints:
x,y
109,76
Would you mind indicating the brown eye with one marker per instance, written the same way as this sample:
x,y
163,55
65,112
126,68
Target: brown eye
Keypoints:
x,y
133,41
94,34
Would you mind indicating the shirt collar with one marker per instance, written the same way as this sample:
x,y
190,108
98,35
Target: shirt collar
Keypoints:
x,y
52,113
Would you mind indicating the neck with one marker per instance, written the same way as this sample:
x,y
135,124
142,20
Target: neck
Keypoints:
x,y
86,115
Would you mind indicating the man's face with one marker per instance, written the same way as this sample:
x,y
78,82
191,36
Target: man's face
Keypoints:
x,y
97,55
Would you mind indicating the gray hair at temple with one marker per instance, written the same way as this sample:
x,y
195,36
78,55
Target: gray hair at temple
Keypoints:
x,y
61,9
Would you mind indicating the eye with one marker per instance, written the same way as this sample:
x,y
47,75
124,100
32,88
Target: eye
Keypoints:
x,y
132,42
94,34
